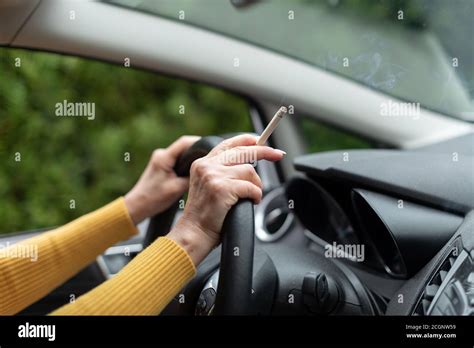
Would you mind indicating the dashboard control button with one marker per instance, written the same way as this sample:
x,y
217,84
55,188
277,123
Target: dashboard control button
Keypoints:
x,y
320,294
206,302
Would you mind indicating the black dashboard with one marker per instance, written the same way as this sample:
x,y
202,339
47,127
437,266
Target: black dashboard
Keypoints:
x,y
363,232
356,232
401,208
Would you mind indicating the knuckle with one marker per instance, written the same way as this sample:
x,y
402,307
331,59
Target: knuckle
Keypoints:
x,y
208,176
251,191
249,169
206,172
256,192
198,167
226,143
157,154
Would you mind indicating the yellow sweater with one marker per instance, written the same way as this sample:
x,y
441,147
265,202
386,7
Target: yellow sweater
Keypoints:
x,y
144,287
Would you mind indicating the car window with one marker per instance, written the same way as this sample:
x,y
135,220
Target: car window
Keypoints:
x,y
417,50
76,134
319,137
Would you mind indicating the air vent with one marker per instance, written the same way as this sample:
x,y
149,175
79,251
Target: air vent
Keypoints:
x,y
433,286
273,218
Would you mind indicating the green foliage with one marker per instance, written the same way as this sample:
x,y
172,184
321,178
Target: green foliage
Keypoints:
x,y
73,158
64,158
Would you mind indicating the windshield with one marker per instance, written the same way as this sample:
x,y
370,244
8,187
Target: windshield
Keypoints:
x,y
417,50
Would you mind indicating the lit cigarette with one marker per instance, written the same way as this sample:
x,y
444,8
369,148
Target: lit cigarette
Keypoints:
x,y
272,125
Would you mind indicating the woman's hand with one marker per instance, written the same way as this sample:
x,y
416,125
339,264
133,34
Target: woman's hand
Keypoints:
x,y
159,187
217,182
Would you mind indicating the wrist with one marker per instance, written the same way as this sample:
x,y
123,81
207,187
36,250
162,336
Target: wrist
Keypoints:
x,y
193,239
133,208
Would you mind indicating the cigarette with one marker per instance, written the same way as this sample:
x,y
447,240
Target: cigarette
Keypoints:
x,y
272,125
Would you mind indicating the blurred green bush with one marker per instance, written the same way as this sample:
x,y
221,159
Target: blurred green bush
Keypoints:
x,y
73,158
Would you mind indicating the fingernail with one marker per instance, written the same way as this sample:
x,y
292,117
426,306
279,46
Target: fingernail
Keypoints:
x,y
281,151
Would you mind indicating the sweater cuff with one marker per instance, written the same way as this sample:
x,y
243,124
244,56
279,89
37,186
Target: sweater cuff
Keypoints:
x,y
179,254
112,219
144,287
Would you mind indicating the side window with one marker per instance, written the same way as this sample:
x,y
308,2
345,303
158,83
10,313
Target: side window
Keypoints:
x,y
76,134
320,137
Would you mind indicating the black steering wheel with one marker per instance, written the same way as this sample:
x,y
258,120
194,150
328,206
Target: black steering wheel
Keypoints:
x,y
236,265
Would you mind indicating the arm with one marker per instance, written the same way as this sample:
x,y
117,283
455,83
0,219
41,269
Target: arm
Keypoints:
x,y
61,253
149,282
143,287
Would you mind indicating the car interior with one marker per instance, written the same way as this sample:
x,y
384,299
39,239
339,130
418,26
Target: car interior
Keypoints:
x,y
385,230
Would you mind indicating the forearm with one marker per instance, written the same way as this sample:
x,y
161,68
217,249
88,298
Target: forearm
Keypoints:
x,y
144,287
61,253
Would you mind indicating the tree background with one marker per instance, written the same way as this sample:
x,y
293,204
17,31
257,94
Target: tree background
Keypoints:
x,y
73,158
64,158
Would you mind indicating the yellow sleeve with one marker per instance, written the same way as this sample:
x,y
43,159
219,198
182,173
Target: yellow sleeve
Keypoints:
x,y
60,254
143,287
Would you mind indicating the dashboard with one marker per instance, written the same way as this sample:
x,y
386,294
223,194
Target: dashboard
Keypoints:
x,y
378,234
385,232
399,220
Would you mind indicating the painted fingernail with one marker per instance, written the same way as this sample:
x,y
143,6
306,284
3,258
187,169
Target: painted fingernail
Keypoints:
x,y
281,151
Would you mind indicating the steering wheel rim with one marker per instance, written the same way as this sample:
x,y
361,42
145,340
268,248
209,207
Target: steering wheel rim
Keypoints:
x,y
234,293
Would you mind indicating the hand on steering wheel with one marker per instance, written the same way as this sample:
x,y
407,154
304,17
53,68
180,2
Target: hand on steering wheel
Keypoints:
x,y
159,186
217,182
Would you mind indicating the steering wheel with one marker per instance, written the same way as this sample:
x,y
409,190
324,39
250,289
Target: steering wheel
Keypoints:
x,y
238,233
